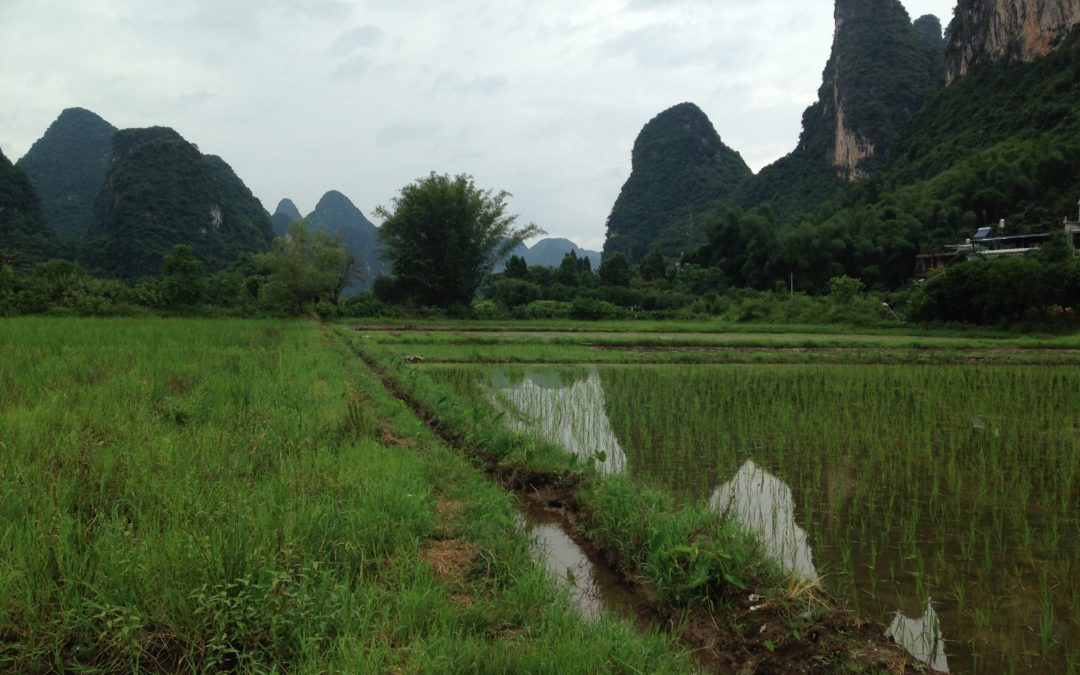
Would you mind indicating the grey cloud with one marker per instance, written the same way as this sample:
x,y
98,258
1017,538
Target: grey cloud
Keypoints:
x,y
352,68
398,134
486,84
361,37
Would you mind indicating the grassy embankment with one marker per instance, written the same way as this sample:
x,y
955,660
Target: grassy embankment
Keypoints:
x,y
706,343
188,495
707,573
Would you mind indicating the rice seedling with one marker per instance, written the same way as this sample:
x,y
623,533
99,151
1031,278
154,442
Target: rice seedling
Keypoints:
x,y
899,494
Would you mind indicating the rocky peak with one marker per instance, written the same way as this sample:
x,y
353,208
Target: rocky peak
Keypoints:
x,y
879,73
986,31
929,26
285,214
679,167
67,166
286,207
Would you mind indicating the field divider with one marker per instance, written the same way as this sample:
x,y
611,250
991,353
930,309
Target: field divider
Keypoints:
x,y
700,577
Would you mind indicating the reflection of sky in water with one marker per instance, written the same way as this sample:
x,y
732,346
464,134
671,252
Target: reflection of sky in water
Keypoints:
x,y
569,567
570,416
763,504
921,637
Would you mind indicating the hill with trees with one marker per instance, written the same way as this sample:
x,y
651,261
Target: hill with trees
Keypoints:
x,y
341,218
285,214
67,166
881,70
680,168
161,191
23,229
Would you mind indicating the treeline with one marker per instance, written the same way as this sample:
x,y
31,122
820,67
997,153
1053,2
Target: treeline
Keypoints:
x,y
306,278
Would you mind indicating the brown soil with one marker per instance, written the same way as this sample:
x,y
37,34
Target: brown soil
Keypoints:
x,y
751,634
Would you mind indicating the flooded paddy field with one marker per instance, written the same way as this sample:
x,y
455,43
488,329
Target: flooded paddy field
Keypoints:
x,y
941,499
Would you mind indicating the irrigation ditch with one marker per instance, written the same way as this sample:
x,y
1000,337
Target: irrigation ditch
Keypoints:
x,y
739,630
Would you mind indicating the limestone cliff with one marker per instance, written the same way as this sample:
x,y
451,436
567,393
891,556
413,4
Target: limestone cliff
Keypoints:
x,y
986,31
879,73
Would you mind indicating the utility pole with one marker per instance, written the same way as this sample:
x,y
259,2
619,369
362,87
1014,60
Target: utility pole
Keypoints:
x,y
793,284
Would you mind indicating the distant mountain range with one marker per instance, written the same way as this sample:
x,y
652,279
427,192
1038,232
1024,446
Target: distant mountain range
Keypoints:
x,y
340,217
118,201
550,252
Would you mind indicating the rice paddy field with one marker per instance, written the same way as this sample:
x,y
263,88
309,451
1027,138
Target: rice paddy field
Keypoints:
x,y
929,482
188,495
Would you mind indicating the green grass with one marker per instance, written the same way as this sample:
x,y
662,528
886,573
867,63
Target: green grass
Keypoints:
x,y
192,495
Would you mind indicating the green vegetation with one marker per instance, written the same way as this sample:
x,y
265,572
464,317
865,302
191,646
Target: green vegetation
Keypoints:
x,y
948,486
22,224
701,567
340,218
680,170
162,191
880,72
67,167
442,237
305,269
285,215
198,496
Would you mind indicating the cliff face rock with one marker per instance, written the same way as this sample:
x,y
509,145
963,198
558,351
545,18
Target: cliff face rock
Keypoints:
x,y
880,72
985,31
67,167
929,26
161,191
679,167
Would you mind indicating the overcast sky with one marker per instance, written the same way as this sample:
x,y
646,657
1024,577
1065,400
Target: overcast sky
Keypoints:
x,y
541,98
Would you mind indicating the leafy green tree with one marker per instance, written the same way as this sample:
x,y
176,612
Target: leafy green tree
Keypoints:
x,y
304,269
615,270
516,268
844,289
653,267
443,236
183,282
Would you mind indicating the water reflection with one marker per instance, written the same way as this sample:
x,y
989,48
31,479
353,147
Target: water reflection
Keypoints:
x,y
591,587
763,504
571,416
921,637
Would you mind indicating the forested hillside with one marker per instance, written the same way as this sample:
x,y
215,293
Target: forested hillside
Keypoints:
x,y
340,217
680,170
22,224
881,70
67,167
285,214
161,191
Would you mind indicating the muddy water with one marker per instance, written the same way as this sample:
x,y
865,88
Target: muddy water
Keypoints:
x,y
591,584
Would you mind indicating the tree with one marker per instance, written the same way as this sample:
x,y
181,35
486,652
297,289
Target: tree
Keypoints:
x,y
615,270
516,268
183,283
444,235
305,269
653,267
